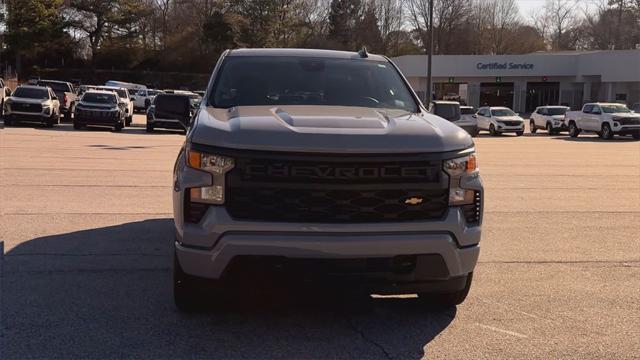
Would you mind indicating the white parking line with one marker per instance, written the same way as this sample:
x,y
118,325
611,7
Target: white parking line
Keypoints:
x,y
512,333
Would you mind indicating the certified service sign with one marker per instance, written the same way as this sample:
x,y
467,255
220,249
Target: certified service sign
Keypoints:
x,y
504,66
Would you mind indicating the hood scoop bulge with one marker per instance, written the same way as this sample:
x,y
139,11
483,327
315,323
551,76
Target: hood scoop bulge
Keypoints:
x,y
361,120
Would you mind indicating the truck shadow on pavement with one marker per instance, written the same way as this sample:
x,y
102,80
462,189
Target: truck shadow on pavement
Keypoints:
x,y
106,293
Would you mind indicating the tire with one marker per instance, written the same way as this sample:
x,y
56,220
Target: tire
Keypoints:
x,y
7,122
474,133
147,103
492,130
573,130
636,136
550,130
118,127
447,299
606,132
77,125
67,116
532,127
51,121
149,128
128,121
519,133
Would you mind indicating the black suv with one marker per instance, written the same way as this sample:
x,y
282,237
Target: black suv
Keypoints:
x,y
169,111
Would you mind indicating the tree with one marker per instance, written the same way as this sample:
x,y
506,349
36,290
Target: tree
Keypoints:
x,y
33,26
343,17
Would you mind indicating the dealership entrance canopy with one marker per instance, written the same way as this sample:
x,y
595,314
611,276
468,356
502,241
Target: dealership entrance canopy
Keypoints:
x,y
523,82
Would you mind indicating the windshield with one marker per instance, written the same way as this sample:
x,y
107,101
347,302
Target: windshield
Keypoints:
x,y
502,112
99,98
55,86
255,80
467,111
31,93
556,111
610,109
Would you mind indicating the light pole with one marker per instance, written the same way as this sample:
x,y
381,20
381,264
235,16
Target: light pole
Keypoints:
x,y
430,47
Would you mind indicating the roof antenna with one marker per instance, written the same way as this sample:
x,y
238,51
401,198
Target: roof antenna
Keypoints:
x,y
363,52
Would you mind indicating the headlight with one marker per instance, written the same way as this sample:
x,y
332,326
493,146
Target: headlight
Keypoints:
x,y
217,166
459,169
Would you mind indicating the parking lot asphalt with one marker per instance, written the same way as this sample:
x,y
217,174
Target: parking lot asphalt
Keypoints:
x,y
86,221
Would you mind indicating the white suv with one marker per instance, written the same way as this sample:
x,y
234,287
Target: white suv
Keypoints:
x,y
144,98
497,120
550,118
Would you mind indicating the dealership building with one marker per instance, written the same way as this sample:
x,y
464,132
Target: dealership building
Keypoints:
x,y
523,82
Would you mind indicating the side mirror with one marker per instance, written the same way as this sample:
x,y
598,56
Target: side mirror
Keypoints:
x,y
55,98
132,98
474,116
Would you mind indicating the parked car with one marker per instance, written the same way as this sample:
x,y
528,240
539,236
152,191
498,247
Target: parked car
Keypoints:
x,y
350,180
498,120
550,118
636,107
32,104
65,93
100,108
124,97
169,111
452,111
604,119
144,98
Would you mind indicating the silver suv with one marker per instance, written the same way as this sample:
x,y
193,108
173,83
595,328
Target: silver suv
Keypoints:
x,y
308,165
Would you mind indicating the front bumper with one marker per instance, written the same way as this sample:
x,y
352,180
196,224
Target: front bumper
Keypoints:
x,y
206,249
92,117
166,123
30,117
506,128
626,129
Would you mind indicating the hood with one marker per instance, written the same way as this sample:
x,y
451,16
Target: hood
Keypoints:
x,y
28,100
96,105
508,118
327,129
626,115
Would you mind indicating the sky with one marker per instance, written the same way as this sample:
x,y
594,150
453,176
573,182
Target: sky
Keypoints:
x,y
527,7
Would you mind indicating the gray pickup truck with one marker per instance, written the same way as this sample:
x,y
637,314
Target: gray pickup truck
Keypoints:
x,y
315,165
65,93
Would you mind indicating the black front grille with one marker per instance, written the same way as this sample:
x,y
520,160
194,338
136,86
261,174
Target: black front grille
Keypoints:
x,y
33,108
629,121
336,191
511,123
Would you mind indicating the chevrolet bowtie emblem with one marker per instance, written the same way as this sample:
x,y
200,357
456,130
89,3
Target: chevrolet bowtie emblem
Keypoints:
x,y
413,201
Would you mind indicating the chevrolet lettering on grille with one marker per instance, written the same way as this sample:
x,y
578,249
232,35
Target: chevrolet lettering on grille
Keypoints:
x,y
330,172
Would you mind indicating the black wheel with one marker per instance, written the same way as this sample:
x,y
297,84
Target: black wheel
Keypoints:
x,y
147,103
519,133
118,127
447,299
532,127
7,122
77,125
550,130
149,128
129,120
636,136
573,130
51,121
606,132
492,130
67,116
474,133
